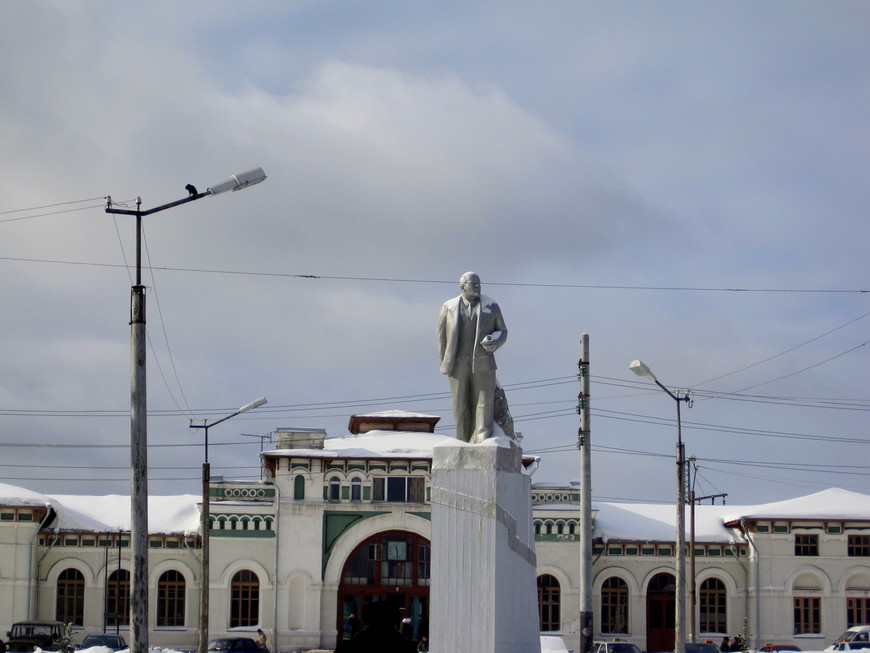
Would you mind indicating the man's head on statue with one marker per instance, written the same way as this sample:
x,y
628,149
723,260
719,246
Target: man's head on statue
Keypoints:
x,y
470,284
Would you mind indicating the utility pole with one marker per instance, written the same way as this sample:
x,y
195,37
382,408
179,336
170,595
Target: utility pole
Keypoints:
x,y
693,499
680,626
139,409
584,443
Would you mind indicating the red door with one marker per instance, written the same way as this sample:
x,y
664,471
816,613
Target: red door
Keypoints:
x,y
661,604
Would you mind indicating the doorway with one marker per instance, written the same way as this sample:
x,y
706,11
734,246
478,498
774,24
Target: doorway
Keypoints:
x,y
394,567
661,608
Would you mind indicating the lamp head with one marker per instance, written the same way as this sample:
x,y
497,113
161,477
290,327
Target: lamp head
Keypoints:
x,y
254,404
640,368
239,181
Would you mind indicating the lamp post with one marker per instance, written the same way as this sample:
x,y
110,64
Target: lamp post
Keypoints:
x,y
204,521
641,369
138,410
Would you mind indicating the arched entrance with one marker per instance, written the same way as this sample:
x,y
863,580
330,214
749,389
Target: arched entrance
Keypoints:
x,y
392,566
661,604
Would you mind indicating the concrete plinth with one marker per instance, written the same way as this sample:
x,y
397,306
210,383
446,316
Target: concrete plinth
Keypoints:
x,y
484,592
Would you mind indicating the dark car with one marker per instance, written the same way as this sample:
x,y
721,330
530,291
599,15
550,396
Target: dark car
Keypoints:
x,y
706,647
114,642
233,644
26,636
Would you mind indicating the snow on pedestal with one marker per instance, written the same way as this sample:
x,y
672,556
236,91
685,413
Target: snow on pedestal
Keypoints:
x,y
484,593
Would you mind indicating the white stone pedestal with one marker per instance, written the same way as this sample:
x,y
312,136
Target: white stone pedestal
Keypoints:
x,y
484,588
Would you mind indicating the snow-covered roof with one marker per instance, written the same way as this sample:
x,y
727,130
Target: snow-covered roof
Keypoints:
x,y
10,495
372,444
110,512
656,522
396,413
833,503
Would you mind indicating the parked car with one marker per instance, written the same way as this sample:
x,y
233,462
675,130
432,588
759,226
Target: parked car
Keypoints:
x,y
855,634
553,644
848,646
775,648
706,647
114,642
614,647
26,636
235,645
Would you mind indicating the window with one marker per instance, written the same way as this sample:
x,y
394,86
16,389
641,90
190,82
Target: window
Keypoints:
x,y
712,604
334,490
548,603
857,611
170,599
614,606
859,546
118,599
807,615
355,490
806,545
299,488
398,489
391,559
244,599
71,597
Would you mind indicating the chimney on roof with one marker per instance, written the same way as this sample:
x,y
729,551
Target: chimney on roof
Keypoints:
x,y
392,420
300,438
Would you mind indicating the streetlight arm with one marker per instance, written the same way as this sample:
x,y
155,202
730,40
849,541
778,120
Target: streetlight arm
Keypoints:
x,y
641,369
156,209
236,182
244,409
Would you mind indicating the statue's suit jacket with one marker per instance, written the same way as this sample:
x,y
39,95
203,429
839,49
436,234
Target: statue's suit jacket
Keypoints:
x,y
489,322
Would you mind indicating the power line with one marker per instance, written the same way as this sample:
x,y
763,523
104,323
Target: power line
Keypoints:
x,y
782,353
513,284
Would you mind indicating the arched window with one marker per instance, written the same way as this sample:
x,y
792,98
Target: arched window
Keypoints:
x,y
355,489
71,597
244,599
118,598
299,488
857,600
334,489
713,606
549,599
170,599
614,606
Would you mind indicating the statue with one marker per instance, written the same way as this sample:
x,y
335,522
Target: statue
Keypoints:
x,y
470,329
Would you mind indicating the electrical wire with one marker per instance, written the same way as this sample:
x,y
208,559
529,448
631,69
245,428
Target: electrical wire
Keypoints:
x,y
782,353
186,410
508,284
50,206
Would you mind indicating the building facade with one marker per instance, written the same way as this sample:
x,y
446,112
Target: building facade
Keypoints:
x,y
344,521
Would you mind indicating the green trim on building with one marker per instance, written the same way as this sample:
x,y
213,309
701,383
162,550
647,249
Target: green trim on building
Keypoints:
x,y
556,538
424,515
240,533
335,523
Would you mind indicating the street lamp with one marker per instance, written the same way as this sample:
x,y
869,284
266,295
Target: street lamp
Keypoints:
x,y
639,368
204,521
138,410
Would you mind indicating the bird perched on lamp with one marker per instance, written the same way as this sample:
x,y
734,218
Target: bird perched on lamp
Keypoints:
x,y
190,188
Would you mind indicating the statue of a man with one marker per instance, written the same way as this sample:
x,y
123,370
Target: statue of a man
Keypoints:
x,y
470,329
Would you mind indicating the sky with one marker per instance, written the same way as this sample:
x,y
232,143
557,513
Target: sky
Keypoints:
x,y
685,182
